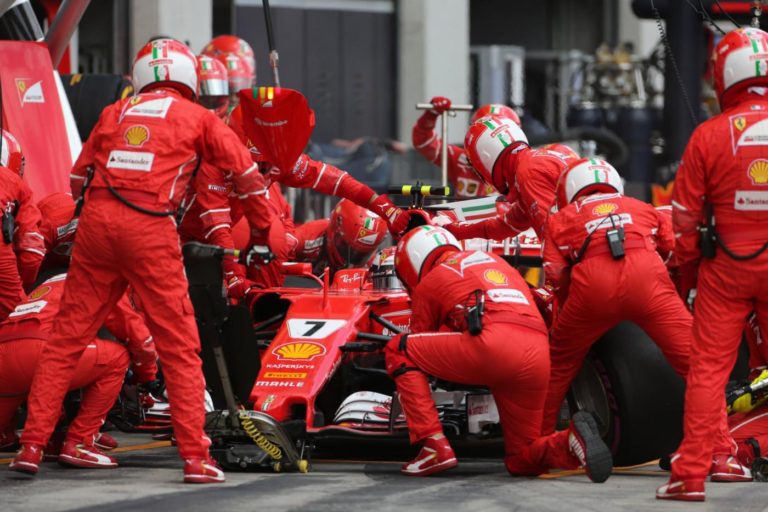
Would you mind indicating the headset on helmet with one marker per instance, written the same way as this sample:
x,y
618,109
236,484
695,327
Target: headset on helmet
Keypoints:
x,y
486,139
495,109
225,44
353,236
587,176
166,63
741,57
214,85
11,155
416,247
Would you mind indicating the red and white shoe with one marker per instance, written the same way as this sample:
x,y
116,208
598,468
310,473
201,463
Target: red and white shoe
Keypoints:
x,y
27,459
585,444
436,455
202,471
681,490
84,456
105,442
726,468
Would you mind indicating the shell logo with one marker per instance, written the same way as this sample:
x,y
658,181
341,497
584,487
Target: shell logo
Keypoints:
x,y
605,209
40,292
303,351
495,277
758,172
136,135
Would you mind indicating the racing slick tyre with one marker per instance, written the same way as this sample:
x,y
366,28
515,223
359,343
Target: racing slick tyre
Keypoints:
x,y
634,393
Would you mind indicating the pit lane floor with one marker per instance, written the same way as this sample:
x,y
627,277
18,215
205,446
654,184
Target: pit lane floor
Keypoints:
x,y
149,479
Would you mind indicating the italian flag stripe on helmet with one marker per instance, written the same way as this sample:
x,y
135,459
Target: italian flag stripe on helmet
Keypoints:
x,y
489,125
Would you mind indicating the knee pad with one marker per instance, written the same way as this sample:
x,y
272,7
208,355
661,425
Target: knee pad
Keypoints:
x,y
396,357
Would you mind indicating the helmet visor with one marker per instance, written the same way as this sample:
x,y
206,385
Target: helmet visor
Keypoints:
x,y
350,257
214,87
215,103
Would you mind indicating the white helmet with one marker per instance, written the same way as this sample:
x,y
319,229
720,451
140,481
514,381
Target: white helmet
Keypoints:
x,y
166,63
418,245
487,138
584,176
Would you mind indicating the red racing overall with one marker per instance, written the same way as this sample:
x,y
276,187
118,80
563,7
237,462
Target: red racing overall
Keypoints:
x,y
510,356
146,147
531,176
723,167
100,370
21,257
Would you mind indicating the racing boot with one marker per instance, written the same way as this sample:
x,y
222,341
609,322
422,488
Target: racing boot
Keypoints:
x,y
681,490
585,444
726,468
105,442
202,471
84,456
436,455
27,459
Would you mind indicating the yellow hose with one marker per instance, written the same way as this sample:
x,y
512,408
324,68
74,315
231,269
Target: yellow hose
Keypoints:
x,y
262,442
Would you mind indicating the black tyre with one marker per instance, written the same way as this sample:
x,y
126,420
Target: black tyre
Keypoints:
x,y
638,399
89,94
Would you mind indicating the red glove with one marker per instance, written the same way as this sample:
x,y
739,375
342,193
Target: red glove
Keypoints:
x,y
28,265
396,218
440,104
234,277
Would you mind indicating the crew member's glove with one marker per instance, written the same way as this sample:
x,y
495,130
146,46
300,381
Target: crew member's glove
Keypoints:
x,y
396,218
234,277
440,104
428,119
748,401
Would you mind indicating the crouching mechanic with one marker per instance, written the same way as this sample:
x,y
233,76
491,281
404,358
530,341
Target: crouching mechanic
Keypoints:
x,y
141,155
600,257
99,370
499,341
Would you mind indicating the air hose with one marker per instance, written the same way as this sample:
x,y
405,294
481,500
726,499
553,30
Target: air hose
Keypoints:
x,y
261,441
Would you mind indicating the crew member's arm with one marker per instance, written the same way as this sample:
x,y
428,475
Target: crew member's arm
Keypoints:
x,y
688,200
537,195
512,223
557,268
28,240
425,309
330,180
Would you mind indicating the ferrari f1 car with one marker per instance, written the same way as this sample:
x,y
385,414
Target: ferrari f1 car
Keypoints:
x,y
308,366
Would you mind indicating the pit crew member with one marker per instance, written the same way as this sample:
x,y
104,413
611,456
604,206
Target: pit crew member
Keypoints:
x,y
142,153
99,371
463,179
498,150
720,187
498,339
601,260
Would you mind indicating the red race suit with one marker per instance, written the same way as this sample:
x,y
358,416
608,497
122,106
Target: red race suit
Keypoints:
x,y
145,148
100,369
465,182
597,292
510,356
20,258
532,179
722,167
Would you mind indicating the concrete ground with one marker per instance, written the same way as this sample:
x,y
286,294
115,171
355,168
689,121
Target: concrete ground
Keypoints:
x,y
149,479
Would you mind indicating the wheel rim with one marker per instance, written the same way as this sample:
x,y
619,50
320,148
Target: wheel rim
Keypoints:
x,y
589,393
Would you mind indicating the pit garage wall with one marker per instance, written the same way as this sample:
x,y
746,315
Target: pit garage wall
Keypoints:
x,y
341,55
363,64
